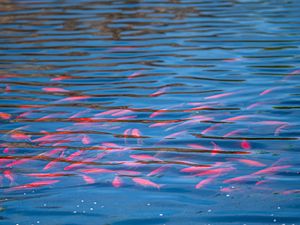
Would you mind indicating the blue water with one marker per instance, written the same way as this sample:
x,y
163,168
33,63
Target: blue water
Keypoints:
x,y
149,112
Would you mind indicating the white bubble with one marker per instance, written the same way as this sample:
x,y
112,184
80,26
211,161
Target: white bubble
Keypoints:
x,y
209,210
161,214
91,209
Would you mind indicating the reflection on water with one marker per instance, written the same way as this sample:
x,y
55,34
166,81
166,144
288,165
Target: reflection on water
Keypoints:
x,y
149,112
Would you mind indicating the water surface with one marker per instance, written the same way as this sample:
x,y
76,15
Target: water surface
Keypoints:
x,y
149,112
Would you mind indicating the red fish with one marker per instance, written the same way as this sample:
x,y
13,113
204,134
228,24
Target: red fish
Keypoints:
x,y
5,116
18,135
117,182
46,175
33,185
145,182
74,155
52,89
245,144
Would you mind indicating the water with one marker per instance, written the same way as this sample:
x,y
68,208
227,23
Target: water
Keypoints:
x,y
149,112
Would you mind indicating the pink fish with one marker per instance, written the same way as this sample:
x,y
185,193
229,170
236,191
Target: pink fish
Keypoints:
x,y
219,95
238,179
108,112
5,116
63,77
96,170
245,144
250,162
144,157
230,60
161,91
136,133
272,122
74,155
233,133
79,114
145,182
127,172
33,185
174,135
9,175
196,146
53,162
74,98
135,74
198,108
217,171
158,112
235,118
52,89
85,139
88,179
295,191
122,112
278,129
271,170
117,182
125,134
254,105
267,91
157,171
194,169
211,128
205,182
17,162
160,124
216,149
